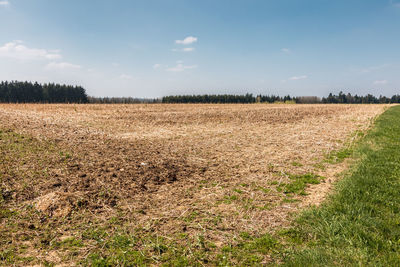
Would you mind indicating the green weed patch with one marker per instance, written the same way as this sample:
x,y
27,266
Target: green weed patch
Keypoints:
x,y
299,183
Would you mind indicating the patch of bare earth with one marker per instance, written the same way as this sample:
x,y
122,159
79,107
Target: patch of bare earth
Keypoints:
x,y
213,170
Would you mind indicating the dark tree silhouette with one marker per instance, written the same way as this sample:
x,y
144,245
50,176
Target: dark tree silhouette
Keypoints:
x,y
249,98
27,92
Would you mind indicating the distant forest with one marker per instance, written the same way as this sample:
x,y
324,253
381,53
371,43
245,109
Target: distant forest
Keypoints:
x,y
28,92
121,100
249,98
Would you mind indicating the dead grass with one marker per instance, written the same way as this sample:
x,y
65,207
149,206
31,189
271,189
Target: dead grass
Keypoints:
x,y
209,171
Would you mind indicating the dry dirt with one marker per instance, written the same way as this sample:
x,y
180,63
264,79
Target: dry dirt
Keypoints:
x,y
210,169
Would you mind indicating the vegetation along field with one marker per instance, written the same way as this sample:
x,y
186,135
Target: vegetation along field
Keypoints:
x,y
197,184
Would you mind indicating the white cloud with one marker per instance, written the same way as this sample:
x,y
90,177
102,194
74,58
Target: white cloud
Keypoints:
x,y
302,77
380,82
61,66
188,49
17,50
126,77
188,40
185,49
373,68
4,3
156,66
180,67
286,50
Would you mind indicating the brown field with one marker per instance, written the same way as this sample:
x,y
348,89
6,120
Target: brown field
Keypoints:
x,y
201,172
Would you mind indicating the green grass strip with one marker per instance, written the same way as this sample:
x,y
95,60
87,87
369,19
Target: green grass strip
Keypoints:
x,y
359,225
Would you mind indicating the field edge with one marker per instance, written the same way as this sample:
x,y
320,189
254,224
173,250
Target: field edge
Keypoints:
x,y
358,223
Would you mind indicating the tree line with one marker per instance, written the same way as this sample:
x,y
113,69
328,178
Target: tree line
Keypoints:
x,y
227,98
249,98
356,99
28,92
121,100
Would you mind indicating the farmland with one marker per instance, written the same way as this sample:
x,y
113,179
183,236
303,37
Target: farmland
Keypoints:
x,y
162,183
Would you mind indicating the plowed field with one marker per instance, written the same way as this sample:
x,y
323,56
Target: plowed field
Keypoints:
x,y
196,176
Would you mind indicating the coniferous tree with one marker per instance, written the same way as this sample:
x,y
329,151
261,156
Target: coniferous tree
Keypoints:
x,y
27,92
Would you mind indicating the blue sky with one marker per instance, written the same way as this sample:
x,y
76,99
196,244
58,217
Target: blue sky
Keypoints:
x,y
151,48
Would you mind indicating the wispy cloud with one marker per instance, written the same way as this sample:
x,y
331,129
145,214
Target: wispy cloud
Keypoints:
x,y
380,82
180,67
4,3
373,68
185,49
156,66
17,50
302,77
125,76
286,50
62,66
188,49
187,41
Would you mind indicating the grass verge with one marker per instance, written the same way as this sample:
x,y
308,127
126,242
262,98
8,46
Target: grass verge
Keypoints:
x,y
360,223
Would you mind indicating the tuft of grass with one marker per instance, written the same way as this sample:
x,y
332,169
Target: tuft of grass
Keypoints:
x,y
290,200
249,251
265,190
299,183
239,191
191,217
297,164
359,225
6,213
68,243
230,198
339,156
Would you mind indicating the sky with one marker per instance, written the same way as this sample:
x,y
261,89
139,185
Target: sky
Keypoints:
x,y
153,48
